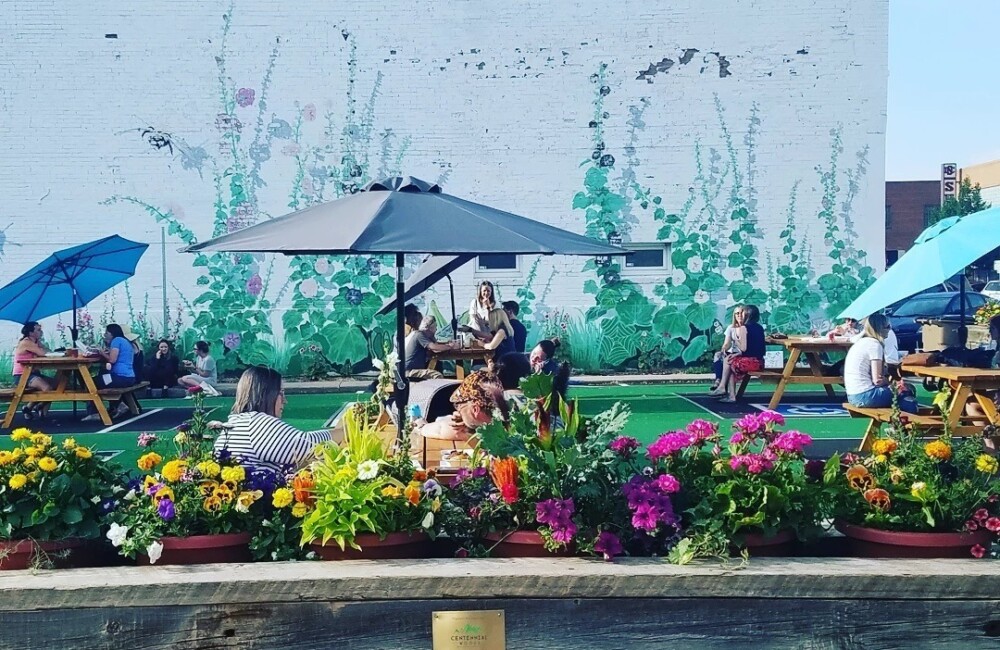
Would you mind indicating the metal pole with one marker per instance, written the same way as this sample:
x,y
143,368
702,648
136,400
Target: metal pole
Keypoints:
x,y
454,315
401,383
163,256
963,331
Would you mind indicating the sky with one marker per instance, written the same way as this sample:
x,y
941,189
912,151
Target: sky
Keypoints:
x,y
944,86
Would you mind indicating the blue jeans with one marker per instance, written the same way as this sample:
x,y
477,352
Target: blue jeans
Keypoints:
x,y
881,397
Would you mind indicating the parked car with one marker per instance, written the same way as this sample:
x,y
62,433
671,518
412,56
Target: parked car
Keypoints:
x,y
938,306
946,286
992,290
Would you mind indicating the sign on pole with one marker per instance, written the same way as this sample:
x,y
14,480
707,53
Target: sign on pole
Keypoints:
x,y
949,181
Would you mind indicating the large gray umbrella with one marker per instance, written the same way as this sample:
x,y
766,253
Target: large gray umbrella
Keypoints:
x,y
400,216
433,269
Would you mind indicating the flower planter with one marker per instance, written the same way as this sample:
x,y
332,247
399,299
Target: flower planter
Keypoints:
x,y
22,553
202,549
781,544
405,545
521,543
872,542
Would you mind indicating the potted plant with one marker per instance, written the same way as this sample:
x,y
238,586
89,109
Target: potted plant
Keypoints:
x,y
190,506
761,496
287,499
368,499
52,499
543,484
917,497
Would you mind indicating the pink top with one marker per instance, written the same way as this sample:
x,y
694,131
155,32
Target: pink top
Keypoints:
x,y
20,356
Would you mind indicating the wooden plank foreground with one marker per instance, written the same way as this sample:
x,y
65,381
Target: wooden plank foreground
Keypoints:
x,y
549,603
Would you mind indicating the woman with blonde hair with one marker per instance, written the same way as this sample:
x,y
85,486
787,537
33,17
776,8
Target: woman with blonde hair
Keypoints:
x,y
255,433
865,369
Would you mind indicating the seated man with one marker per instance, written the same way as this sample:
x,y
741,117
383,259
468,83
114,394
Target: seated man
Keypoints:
x,y
418,342
850,328
520,331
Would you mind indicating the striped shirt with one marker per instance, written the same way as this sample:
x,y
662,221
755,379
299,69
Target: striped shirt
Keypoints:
x,y
261,440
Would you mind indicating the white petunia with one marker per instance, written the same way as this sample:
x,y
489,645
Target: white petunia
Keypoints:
x,y
116,534
701,297
368,470
428,520
95,499
154,551
695,264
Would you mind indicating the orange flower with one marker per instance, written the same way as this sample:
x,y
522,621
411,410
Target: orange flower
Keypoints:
x,y
302,484
878,498
412,493
938,450
504,472
420,475
859,478
884,447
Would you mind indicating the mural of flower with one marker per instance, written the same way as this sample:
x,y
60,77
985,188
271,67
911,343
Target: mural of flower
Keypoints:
x,y
308,288
374,266
321,266
354,297
695,264
678,277
231,340
309,112
701,297
245,96
254,285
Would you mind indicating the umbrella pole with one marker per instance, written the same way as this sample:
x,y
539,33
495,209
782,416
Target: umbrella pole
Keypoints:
x,y
73,335
963,331
454,316
401,383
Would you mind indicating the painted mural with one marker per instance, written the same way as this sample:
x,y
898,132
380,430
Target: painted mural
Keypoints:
x,y
311,316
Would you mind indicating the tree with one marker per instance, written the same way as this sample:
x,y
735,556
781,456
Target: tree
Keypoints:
x,y
969,200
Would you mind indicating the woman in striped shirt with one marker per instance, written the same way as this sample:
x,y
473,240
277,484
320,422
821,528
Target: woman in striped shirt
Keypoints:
x,y
255,434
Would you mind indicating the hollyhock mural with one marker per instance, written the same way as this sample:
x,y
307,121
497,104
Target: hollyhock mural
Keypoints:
x,y
695,158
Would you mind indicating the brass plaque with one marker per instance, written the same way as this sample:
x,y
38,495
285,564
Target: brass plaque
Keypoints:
x,y
482,629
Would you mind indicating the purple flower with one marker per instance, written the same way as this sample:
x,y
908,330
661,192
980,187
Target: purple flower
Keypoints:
x,y
166,509
154,488
608,544
479,472
223,455
564,533
736,438
814,469
461,475
554,512
147,439
645,517
354,297
245,96
232,340
184,427
432,488
624,446
667,484
254,285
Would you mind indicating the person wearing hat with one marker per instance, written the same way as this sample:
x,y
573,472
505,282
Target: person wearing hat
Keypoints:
x,y
119,368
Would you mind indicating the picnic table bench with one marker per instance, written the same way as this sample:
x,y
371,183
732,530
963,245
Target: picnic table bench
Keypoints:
x,y
878,416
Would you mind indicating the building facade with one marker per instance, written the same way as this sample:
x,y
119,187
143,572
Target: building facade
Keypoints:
x,y
910,207
737,146
987,175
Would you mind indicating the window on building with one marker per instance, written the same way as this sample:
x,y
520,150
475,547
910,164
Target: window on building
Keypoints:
x,y
930,211
497,262
647,256
888,217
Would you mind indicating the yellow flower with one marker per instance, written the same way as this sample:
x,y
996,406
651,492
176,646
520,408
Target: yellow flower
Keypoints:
x,y
41,440
180,438
212,504
224,494
17,453
895,475
148,482
47,464
412,493
174,470
391,491
247,499
207,488
30,461
938,450
234,473
299,510
17,481
984,463
232,486
884,447
33,476
161,494
209,468
20,434
69,443
83,452
918,489
33,452
6,458
435,505
149,461
282,498
881,458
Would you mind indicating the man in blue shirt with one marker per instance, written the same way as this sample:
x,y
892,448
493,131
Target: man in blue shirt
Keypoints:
x,y
520,331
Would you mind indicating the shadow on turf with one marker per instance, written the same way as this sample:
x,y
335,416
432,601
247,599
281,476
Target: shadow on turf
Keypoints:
x,y
63,422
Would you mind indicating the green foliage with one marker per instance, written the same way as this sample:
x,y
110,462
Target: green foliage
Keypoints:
x,y
968,201
794,297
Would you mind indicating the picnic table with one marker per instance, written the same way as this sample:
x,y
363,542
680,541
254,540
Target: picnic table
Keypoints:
x,y
966,384
812,348
65,368
472,354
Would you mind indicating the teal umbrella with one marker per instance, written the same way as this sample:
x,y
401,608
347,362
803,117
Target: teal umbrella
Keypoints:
x,y
939,253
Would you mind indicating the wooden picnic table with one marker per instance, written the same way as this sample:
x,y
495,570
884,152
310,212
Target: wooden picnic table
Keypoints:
x,y
472,354
966,384
812,348
65,367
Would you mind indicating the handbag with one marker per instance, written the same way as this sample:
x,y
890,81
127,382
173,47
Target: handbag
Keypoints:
x,y
920,359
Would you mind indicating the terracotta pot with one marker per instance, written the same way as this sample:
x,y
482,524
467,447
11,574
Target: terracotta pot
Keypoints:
x,y
407,545
781,544
202,549
872,542
22,553
521,543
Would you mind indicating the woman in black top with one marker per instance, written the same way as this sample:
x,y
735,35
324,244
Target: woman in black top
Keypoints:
x,y
164,367
750,354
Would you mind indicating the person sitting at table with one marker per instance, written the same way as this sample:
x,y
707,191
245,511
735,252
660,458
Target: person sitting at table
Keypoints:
x,y
255,432
164,368
733,332
864,369
138,356
501,338
29,347
418,342
520,331
411,318
749,355
481,306
477,401
850,328
118,371
510,369
203,371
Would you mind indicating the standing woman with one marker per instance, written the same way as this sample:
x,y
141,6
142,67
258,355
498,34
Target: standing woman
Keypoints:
x,y
864,369
29,347
481,306
749,353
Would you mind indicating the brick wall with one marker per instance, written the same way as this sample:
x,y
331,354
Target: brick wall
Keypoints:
x,y
906,202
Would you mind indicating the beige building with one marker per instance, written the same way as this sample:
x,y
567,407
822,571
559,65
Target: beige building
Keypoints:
x,y
987,174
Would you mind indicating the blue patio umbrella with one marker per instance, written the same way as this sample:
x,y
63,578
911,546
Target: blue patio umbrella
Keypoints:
x,y
69,279
938,253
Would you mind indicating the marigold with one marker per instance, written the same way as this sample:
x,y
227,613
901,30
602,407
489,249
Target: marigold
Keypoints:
x,y
881,459
984,463
209,468
69,443
83,452
47,464
884,447
938,450
17,453
33,452
282,498
17,481
299,510
149,461
174,470
302,484
30,461
419,475
20,434
212,504
6,458
878,498
859,478
234,473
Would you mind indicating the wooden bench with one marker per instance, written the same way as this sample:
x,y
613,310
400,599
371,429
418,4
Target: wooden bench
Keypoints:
x,y
766,375
878,416
127,395
7,393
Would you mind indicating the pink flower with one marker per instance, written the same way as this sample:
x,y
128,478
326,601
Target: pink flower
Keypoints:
x,y
308,288
971,525
254,285
981,515
668,444
736,438
702,430
993,524
608,545
749,424
771,418
977,551
624,445
309,112
667,484
147,439
194,390
791,442
245,96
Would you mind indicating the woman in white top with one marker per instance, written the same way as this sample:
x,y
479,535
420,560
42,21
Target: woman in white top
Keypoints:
x,y
481,306
865,368
255,433
730,344
202,372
